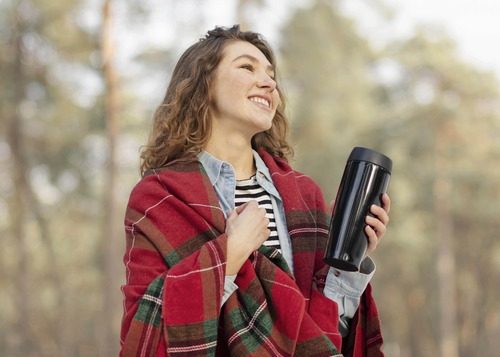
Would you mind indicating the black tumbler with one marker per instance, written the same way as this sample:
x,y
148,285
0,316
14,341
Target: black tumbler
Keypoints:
x,y
366,177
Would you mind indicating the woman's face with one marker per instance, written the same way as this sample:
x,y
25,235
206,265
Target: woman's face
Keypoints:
x,y
244,97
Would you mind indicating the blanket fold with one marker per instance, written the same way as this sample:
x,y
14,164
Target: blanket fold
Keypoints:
x,y
175,265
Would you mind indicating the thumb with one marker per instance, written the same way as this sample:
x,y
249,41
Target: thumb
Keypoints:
x,y
233,214
240,209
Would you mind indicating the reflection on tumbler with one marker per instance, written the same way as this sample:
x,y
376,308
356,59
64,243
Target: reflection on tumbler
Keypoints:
x,y
366,177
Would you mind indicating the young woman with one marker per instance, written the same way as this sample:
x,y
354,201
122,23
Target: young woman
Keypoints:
x,y
224,239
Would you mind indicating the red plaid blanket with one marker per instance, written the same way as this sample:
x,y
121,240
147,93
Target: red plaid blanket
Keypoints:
x,y
175,265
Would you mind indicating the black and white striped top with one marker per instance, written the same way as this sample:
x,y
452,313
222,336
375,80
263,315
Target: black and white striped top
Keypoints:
x,y
249,189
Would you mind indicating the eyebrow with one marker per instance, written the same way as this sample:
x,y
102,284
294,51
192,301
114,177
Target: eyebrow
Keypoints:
x,y
269,67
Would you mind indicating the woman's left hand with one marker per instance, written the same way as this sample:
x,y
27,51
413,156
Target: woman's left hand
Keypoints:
x,y
376,225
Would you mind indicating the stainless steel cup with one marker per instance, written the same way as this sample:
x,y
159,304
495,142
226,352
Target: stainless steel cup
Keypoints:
x,y
365,178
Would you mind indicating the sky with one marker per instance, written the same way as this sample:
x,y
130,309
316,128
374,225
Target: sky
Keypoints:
x,y
473,24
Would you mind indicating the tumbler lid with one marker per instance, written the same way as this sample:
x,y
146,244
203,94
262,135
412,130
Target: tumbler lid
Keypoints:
x,y
369,155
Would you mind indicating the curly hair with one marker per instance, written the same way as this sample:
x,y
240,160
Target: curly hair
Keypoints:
x,y
182,122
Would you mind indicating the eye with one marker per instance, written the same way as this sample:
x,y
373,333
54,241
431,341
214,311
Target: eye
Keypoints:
x,y
248,67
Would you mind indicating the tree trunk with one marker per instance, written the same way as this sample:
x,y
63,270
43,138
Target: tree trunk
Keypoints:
x,y
446,255
24,204
17,206
111,241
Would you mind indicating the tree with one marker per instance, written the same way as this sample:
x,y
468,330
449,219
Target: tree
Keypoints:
x,y
326,71
112,241
437,118
439,110
42,43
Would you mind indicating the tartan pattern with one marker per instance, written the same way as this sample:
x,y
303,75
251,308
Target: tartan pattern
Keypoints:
x,y
175,264
149,311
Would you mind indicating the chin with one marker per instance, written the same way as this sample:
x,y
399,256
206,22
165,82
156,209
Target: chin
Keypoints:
x,y
264,125
259,125
262,129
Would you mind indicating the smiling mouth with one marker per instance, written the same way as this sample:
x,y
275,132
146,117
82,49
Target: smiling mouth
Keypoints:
x,y
261,102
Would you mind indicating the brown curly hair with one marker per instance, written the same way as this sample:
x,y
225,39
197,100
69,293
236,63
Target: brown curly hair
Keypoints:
x,y
182,123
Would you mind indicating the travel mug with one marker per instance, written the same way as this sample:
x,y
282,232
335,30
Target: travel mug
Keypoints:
x,y
366,177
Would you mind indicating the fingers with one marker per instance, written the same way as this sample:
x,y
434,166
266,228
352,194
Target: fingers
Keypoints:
x,y
258,220
332,205
251,210
380,213
250,221
386,202
376,225
263,219
247,229
241,208
372,239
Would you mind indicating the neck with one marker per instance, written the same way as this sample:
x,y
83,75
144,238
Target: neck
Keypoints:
x,y
234,150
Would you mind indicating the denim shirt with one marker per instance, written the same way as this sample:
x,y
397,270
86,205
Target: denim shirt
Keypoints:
x,y
345,288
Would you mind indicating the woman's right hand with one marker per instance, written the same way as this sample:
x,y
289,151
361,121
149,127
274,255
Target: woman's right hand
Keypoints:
x,y
246,228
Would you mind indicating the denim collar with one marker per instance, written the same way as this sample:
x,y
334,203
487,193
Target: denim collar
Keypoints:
x,y
213,166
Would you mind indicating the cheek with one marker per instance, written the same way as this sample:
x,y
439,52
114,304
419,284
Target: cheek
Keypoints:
x,y
232,87
237,84
277,100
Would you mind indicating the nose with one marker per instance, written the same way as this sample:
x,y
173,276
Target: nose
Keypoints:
x,y
267,82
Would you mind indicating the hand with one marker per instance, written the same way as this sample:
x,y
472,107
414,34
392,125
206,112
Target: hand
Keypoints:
x,y
377,226
331,207
246,228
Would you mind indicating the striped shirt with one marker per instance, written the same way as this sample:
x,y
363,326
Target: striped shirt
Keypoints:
x,y
249,189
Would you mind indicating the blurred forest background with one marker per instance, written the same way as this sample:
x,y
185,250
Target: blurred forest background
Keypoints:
x,y
74,114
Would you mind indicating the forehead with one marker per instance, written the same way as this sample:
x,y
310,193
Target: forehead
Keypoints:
x,y
234,49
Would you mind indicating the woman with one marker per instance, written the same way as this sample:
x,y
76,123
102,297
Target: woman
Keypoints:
x,y
224,240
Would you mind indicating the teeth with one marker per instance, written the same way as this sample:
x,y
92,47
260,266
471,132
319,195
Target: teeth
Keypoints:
x,y
261,101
